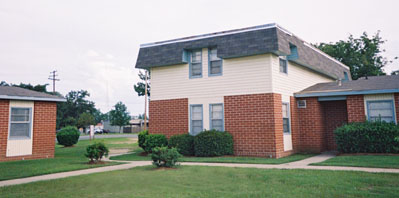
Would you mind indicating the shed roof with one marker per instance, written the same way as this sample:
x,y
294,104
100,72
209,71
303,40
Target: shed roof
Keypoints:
x,y
370,85
17,93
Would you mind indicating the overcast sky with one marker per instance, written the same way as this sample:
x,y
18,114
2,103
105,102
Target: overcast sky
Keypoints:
x,y
94,44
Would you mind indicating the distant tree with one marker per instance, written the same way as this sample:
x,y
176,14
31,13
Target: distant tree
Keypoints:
x,y
395,72
99,116
362,55
70,121
141,116
140,86
85,119
119,116
38,87
4,83
76,104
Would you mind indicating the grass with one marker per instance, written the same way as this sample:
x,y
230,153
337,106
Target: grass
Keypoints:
x,y
374,161
199,181
66,159
224,159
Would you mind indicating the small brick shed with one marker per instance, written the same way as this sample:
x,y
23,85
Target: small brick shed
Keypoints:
x,y
27,124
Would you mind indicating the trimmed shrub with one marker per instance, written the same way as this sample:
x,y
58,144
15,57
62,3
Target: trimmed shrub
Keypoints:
x,y
184,144
68,136
213,143
154,140
165,157
95,152
368,137
142,136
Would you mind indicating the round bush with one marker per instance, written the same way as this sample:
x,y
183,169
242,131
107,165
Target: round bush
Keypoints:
x,y
154,140
184,144
68,136
213,143
368,137
142,136
164,156
95,152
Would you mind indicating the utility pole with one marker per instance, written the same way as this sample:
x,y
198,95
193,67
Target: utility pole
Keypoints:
x,y
53,78
145,102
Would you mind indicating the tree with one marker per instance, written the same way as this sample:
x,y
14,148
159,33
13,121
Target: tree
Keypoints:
x,y
362,55
76,104
119,116
85,119
38,87
395,72
140,86
99,116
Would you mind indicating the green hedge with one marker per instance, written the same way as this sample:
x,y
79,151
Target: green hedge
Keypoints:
x,y
68,136
154,140
184,144
213,143
142,136
368,137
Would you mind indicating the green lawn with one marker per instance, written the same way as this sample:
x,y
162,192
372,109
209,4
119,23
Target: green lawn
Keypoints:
x,y
199,181
225,159
375,161
66,159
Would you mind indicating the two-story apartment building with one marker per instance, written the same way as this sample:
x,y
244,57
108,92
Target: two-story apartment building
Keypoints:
x,y
243,81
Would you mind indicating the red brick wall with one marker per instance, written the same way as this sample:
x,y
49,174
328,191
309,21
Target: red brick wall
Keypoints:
x,y
255,121
4,111
295,124
44,128
335,115
397,107
311,125
169,117
355,107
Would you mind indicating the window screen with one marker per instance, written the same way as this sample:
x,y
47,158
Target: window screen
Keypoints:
x,y
20,122
286,118
196,119
215,63
216,117
196,63
380,110
283,65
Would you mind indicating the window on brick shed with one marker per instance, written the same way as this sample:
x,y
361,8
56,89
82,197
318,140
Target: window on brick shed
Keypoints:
x,y
196,119
216,116
286,118
380,110
20,122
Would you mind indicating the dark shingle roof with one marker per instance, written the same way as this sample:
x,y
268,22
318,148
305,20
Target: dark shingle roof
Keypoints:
x,y
17,93
387,84
269,38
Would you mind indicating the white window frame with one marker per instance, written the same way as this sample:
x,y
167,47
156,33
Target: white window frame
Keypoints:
x,y
289,117
210,115
191,120
281,58
191,62
30,122
210,62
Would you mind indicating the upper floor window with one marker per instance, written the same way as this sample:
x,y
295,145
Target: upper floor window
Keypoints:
x,y
346,77
380,110
283,65
216,116
20,122
286,118
215,63
196,119
196,64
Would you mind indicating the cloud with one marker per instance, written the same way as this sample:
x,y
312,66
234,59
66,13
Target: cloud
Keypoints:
x,y
92,53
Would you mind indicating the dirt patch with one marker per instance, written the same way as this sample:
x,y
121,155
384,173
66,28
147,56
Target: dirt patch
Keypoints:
x,y
118,151
143,154
129,141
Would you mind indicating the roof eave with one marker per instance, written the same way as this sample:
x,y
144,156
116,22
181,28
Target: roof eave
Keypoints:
x,y
32,98
345,93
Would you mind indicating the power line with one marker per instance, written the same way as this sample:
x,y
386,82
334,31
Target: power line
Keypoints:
x,y
52,77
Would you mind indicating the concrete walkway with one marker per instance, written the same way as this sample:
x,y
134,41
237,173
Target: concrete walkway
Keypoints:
x,y
302,164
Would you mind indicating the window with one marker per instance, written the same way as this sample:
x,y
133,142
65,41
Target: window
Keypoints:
x,y
215,63
286,118
216,116
382,109
283,65
20,122
346,78
196,64
196,119
302,104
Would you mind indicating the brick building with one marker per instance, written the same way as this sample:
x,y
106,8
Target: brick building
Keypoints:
x,y
257,83
27,124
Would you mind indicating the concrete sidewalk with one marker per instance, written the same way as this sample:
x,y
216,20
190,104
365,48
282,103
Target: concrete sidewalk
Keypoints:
x,y
302,164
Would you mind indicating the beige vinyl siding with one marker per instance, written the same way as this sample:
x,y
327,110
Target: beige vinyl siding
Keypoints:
x,y
245,75
296,79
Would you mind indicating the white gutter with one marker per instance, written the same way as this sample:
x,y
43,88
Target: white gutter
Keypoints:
x,y
32,98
